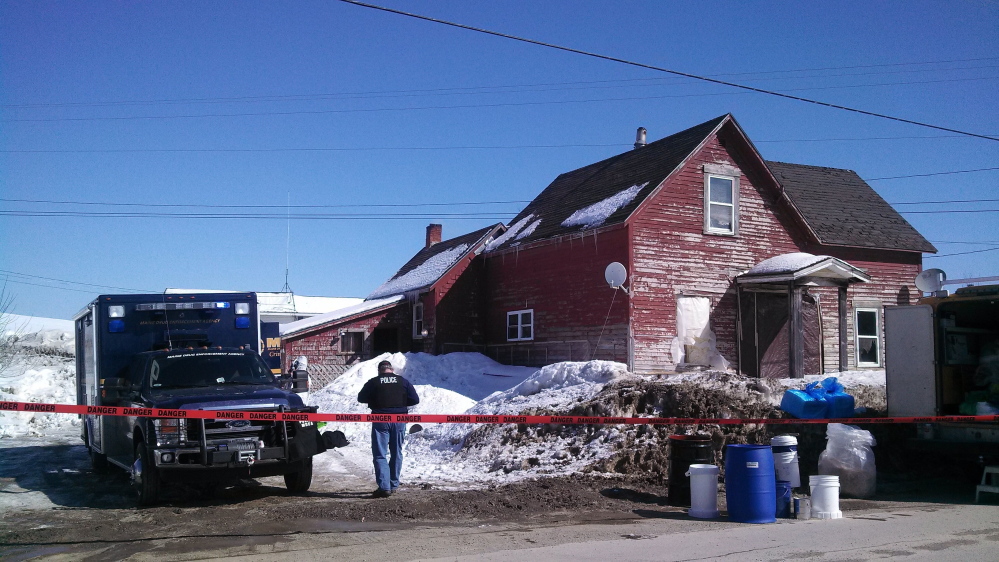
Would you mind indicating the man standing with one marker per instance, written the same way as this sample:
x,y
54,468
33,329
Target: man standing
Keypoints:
x,y
388,393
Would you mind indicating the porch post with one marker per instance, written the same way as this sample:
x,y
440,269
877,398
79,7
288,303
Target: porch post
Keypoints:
x,y
738,329
795,341
842,329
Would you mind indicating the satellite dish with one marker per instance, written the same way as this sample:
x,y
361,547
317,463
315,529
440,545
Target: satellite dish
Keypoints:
x,y
931,280
615,274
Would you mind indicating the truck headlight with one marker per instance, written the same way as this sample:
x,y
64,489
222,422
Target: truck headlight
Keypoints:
x,y
169,431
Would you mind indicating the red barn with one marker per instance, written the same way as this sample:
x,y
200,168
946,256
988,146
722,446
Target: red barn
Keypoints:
x,y
765,267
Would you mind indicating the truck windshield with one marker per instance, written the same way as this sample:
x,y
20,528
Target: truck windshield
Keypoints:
x,y
207,368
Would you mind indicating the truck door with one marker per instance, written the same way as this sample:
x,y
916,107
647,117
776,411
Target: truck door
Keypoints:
x,y
88,363
910,369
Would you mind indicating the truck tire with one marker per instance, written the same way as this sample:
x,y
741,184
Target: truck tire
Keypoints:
x,y
299,481
147,486
98,461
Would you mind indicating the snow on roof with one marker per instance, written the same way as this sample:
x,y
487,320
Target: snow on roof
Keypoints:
x,y
321,305
528,231
595,214
513,231
365,306
423,275
19,325
785,263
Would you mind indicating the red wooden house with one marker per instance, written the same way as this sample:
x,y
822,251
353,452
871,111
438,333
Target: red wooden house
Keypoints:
x,y
694,218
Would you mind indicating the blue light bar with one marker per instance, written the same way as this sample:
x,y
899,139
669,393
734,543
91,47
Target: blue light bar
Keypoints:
x,y
116,326
221,305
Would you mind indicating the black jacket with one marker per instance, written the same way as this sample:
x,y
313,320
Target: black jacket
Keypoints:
x,y
388,394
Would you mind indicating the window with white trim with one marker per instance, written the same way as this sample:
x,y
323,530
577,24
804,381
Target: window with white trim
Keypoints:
x,y
418,320
721,204
520,325
867,337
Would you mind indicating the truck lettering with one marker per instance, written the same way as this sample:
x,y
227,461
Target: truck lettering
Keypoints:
x,y
348,417
39,408
464,419
137,411
263,416
229,415
171,413
8,405
294,417
107,410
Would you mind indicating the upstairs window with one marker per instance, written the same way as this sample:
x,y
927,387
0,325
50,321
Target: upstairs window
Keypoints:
x,y
418,320
520,325
721,204
867,337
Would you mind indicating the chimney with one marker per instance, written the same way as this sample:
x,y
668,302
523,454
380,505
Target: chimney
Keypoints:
x,y
433,234
640,137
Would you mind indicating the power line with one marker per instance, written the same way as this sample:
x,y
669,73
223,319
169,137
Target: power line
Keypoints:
x,y
669,71
498,89
207,216
946,202
933,174
536,103
274,206
962,253
8,273
949,212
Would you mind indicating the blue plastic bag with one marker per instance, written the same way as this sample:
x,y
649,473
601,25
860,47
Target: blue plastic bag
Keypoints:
x,y
840,403
805,404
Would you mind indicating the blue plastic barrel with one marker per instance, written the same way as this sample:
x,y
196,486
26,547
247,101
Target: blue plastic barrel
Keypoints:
x,y
783,499
750,484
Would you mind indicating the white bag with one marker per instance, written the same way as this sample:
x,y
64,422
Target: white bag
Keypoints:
x,y
848,454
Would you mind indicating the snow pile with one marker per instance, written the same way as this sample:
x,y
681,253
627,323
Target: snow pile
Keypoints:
x,y
42,371
321,319
595,215
528,231
785,263
460,383
513,231
424,274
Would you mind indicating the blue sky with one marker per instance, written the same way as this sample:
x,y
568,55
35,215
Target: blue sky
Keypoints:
x,y
325,103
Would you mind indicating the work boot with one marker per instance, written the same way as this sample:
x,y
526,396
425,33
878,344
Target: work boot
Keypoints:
x,y
380,493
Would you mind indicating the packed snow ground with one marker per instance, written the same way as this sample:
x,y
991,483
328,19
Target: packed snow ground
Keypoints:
x,y
457,383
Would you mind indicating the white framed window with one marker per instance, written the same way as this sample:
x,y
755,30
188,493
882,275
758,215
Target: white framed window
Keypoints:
x,y
418,320
721,204
520,325
867,335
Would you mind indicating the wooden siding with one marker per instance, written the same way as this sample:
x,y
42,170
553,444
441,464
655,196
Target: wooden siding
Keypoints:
x,y
562,280
673,257
458,311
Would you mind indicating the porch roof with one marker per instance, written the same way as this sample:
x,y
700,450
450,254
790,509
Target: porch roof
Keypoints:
x,y
803,268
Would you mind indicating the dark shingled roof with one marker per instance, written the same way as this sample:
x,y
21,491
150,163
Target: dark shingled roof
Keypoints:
x,y
591,184
843,210
472,239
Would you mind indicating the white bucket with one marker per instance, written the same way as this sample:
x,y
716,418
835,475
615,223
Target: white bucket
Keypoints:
x,y
703,491
786,461
825,496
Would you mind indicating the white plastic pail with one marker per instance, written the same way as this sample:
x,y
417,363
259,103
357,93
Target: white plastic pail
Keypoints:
x,y
785,449
703,491
825,496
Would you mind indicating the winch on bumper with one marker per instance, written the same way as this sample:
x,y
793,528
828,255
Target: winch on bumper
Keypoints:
x,y
257,448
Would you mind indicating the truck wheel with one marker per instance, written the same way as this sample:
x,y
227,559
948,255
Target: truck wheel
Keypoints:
x,y
98,461
298,482
146,480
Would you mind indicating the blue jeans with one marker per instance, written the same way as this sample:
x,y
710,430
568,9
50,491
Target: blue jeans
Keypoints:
x,y
386,441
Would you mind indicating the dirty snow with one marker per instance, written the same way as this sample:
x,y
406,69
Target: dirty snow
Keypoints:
x,y
597,213
511,232
423,275
785,263
305,323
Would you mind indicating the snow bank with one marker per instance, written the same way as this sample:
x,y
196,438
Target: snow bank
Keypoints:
x,y
595,215
43,371
423,275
